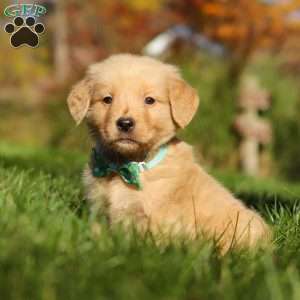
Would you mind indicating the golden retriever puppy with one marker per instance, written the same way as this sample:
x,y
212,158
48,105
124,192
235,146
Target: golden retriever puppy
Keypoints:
x,y
139,171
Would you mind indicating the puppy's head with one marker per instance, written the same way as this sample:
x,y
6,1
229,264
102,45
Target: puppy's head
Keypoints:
x,y
133,104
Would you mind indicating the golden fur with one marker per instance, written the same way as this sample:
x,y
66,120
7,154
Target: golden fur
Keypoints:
x,y
178,196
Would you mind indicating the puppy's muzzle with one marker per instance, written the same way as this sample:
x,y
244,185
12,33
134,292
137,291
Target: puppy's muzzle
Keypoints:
x,y
125,124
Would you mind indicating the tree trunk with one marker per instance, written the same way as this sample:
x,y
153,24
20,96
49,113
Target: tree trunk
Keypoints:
x,y
61,49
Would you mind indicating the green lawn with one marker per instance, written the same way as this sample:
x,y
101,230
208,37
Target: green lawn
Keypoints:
x,y
47,250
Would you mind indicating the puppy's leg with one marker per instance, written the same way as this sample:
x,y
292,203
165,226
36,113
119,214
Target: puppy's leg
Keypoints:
x,y
220,215
243,228
94,216
97,201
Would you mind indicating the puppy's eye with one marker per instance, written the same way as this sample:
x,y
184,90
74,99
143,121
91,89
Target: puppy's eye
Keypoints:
x,y
149,100
107,99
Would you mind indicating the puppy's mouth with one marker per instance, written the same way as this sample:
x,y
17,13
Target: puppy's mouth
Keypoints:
x,y
126,141
129,148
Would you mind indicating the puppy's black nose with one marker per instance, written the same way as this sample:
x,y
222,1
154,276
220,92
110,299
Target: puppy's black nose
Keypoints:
x,y
125,124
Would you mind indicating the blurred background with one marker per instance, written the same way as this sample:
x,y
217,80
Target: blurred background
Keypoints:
x,y
242,56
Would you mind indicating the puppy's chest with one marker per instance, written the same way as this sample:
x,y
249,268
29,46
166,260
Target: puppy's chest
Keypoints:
x,y
159,193
125,200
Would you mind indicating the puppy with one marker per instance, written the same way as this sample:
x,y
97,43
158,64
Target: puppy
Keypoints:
x,y
140,172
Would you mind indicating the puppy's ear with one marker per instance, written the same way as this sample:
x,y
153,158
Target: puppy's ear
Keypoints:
x,y
184,102
79,100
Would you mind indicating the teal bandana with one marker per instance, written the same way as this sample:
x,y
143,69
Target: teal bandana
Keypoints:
x,y
129,172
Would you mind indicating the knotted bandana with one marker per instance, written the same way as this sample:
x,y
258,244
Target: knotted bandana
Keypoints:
x,y
129,172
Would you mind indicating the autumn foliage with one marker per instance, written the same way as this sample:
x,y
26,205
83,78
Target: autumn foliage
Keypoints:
x,y
242,24
97,28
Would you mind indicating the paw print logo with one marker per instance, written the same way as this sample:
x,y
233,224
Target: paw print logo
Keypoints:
x,y
24,32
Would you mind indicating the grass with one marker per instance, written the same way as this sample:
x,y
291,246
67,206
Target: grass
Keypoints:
x,y
47,250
